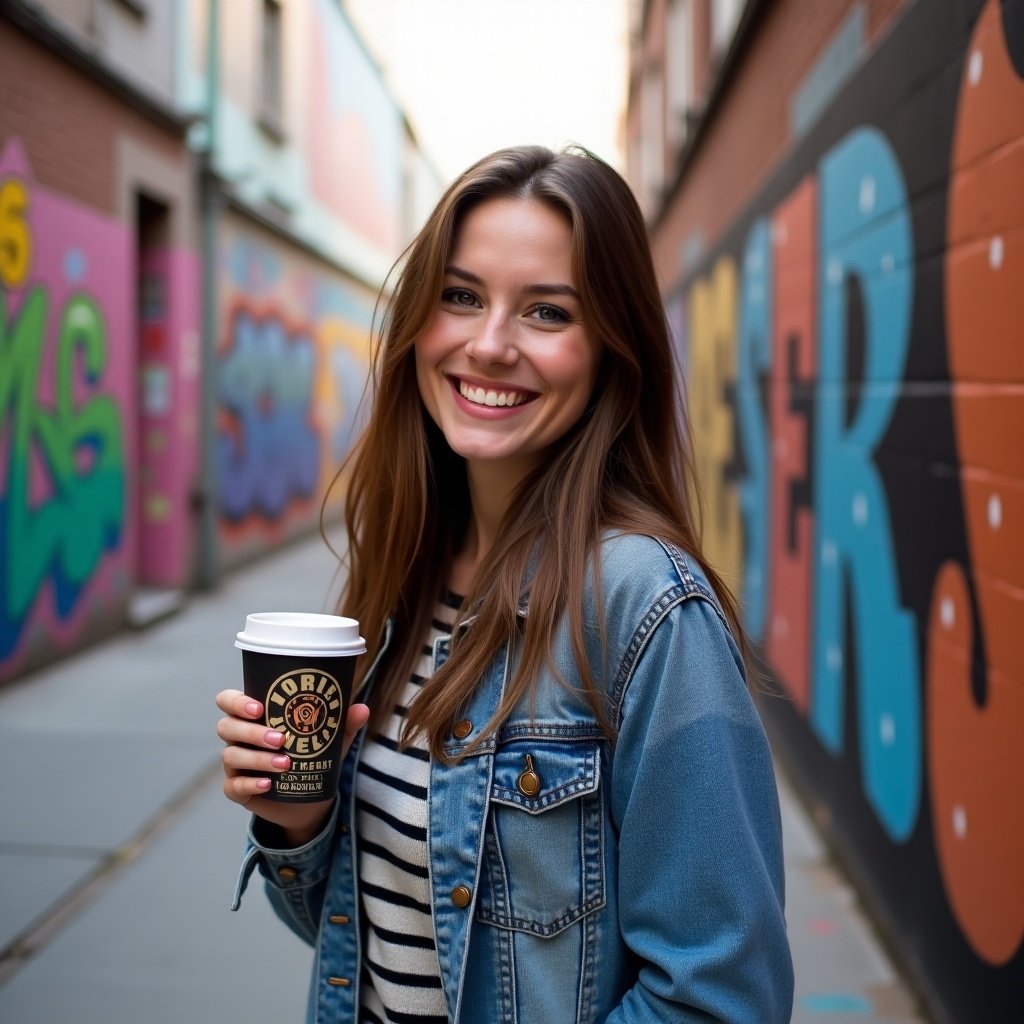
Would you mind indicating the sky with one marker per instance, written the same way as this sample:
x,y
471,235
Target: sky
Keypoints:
x,y
476,75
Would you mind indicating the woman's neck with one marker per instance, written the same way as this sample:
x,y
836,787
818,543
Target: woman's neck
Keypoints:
x,y
491,485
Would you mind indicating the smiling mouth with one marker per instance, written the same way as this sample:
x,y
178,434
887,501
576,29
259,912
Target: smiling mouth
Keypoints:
x,y
504,398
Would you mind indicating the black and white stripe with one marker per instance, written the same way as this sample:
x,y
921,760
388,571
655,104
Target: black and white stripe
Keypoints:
x,y
401,979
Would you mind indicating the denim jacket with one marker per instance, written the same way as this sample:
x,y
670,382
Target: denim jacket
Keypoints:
x,y
642,881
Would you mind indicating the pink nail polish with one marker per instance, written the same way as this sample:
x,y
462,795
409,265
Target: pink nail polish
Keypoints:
x,y
263,783
252,708
280,761
273,736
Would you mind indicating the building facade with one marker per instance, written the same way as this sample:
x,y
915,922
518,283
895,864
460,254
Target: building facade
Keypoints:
x,y
835,197
199,202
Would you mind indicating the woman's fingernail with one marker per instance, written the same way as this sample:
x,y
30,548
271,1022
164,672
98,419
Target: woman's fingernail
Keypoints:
x,y
273,736
252,708
263,783
280,761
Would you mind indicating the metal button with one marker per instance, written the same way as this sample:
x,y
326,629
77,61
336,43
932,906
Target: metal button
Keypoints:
x,y
529,781
338,919
461,896
287,874
460,730
343,982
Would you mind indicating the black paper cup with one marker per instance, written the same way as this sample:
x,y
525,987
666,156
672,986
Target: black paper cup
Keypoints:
x,y
300,665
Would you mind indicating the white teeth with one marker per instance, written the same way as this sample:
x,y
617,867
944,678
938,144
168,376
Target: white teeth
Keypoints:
x,y
479,396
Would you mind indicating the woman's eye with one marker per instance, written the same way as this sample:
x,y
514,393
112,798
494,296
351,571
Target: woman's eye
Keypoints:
x,y
459,297
549,314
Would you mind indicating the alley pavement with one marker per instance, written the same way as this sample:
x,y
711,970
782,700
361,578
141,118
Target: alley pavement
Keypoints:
x,y
118,852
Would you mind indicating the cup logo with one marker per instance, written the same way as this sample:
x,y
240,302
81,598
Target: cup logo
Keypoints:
x,y
305,705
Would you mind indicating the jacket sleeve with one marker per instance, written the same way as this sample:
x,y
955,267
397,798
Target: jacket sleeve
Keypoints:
x,y
694,804
295,878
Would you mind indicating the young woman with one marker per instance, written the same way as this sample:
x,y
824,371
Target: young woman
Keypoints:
x,y
563,808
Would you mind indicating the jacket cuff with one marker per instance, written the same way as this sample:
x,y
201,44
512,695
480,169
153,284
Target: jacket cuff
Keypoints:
x,y
283,867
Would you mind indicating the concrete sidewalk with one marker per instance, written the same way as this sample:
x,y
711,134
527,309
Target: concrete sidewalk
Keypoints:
x,y
119,853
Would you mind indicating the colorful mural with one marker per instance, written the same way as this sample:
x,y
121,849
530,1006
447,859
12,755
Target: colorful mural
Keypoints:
x,y
65,395
291,369
856,365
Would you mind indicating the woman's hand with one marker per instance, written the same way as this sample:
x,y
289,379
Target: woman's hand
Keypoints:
x,y
251,746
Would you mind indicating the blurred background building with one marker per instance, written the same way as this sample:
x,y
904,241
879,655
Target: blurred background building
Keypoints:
x,y
835,192
198,204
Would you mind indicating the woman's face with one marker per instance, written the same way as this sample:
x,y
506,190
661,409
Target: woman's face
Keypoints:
x,y
506,366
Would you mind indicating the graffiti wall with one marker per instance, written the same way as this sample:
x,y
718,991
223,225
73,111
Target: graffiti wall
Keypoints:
x,y
291,367
66,395
855,349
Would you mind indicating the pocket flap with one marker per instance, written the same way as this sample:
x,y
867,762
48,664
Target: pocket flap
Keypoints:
x,y
563,771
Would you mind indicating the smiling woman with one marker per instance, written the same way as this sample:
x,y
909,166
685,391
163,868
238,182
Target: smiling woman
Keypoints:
x,y
503,371
563,808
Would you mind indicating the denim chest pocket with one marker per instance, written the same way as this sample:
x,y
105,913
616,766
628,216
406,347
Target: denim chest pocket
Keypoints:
x,y
543,864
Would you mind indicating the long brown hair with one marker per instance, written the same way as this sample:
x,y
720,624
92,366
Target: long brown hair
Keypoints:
x,y
625,465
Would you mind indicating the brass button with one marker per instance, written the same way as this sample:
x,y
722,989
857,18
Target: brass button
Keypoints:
x,y
338,919
461,896
343,982
529,781
460,730
287,874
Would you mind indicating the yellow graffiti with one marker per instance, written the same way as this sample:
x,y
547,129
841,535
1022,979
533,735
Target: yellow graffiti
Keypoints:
x,y
343,364
712,378
15,234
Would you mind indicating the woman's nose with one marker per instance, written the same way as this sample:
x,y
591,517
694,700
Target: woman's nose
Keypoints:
x,y
493,342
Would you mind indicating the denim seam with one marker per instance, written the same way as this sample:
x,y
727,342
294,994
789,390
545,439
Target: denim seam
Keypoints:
x,y
638,642
509,797
522,924
506,951
585,996
532,731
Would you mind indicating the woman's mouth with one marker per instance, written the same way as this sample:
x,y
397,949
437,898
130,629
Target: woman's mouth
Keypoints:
x,y
494,398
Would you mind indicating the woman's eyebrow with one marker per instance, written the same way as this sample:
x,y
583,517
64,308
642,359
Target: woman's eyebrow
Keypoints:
x,y
532,289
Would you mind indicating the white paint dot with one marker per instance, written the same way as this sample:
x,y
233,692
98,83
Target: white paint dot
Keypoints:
x,y
828,553
995,512
995,252
947,612
887,729
834,658
959,821
974,67
867,195
835,272
888,263
860,509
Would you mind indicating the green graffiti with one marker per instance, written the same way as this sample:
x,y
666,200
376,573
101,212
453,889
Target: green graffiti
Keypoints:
x,y
80,447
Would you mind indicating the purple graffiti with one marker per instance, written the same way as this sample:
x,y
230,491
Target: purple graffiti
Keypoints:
x,y
267,449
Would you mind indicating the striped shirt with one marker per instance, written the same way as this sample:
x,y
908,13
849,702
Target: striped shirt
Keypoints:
x,y
401,978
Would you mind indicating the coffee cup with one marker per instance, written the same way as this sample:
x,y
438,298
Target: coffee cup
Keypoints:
x,y
299,666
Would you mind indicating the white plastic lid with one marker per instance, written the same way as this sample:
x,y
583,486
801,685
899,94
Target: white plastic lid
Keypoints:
x,y
300,633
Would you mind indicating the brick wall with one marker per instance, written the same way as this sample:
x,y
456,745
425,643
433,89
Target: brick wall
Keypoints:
x,y
68,123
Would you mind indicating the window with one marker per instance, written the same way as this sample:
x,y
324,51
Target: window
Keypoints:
x,y
271,108
724,16
679,71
